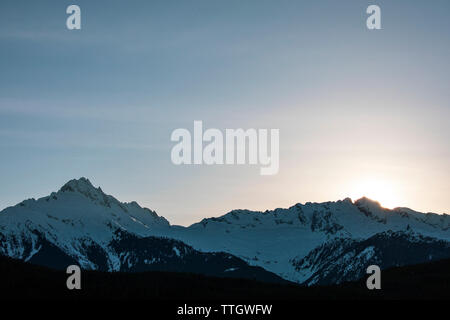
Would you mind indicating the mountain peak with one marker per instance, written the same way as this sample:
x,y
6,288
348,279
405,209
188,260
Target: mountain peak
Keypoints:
x,y
348,200
81,185
84,187
366,202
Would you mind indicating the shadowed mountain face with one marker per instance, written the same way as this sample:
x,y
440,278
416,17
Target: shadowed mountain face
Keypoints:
x,y
314,243
347,260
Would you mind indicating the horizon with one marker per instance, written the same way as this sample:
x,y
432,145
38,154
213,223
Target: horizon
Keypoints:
x,y
359,111
353,201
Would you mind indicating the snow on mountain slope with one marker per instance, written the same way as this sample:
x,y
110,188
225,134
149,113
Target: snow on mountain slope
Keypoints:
x,y
75,216
80,222
342,260
271,239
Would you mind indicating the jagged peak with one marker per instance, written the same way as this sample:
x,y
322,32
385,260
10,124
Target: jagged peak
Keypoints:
x,y
366,202
348,200
81,184
84,187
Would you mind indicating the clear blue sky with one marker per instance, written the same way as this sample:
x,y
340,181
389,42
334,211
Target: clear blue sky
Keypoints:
x,y
360,112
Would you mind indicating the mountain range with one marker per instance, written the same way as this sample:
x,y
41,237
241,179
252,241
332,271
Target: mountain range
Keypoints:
x,y
312,243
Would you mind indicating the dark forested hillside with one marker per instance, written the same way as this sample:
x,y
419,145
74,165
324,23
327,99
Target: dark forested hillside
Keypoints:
x,y
21,280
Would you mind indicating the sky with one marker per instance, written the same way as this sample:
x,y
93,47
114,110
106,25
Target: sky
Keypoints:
x,y
360,112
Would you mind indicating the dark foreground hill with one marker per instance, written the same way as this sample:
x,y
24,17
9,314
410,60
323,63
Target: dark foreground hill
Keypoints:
x,y
21,280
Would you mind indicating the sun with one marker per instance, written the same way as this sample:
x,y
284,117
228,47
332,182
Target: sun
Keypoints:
x,y
383,191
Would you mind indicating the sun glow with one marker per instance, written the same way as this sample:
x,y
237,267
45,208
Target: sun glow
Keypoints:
x,y
383,191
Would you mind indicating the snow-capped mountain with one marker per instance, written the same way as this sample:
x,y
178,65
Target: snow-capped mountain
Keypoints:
x,y
73,218
80,224
312,243
276,240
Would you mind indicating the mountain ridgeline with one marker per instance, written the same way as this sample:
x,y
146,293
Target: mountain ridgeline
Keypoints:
x,y
312,243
